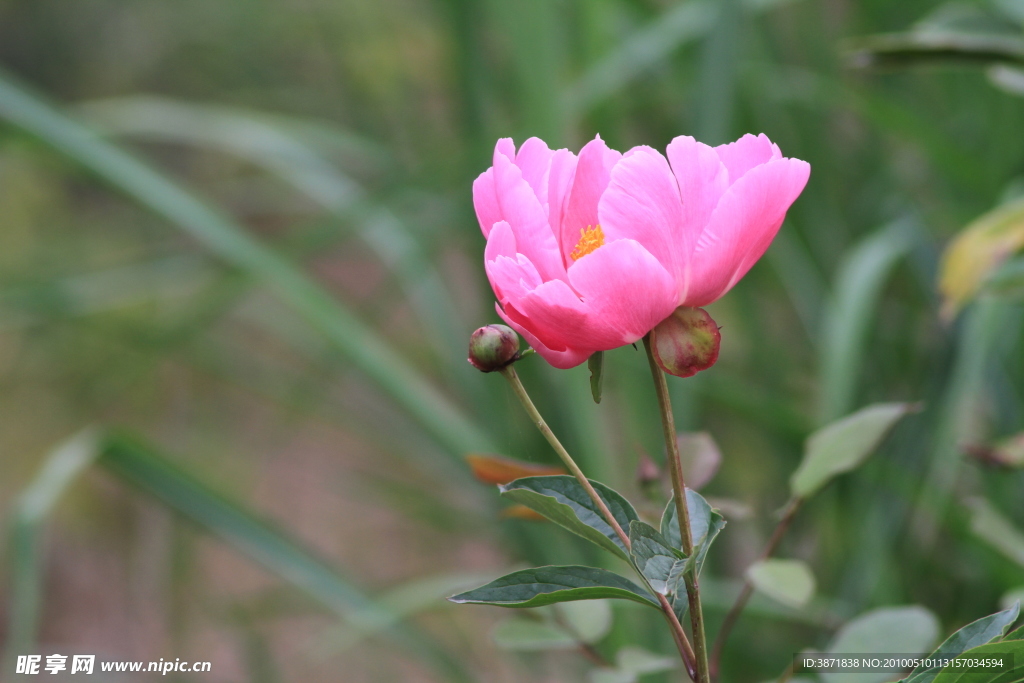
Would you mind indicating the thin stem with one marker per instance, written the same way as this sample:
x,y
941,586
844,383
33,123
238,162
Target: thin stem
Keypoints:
x,y
700,643
517,386
748,588
678,634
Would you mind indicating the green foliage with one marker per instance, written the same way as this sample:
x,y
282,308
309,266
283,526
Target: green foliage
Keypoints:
x,y
898,630
562,500
843,446
297,267
973,635
705,525
548,585
596,365
660,563
790,582
630,664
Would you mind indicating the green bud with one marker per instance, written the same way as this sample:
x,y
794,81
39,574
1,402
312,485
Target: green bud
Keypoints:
x,y
686,342
493,347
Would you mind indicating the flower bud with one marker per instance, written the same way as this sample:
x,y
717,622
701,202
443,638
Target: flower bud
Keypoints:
x,y
493,347
686,342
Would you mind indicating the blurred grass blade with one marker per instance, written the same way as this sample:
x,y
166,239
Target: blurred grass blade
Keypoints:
x,y
32,508
717,92
645,48
977,339
138,465
230,241
268,144
849,315
902,49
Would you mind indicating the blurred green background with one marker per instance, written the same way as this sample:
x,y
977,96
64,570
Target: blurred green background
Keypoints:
x,y
258,262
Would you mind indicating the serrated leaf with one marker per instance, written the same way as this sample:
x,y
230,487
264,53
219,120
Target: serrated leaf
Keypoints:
x,y
904,630
1013,649
975,634
596,366
993,528
548,585
699,456
844,445
526,635
497,469
660,563
589,620
562,500
790,582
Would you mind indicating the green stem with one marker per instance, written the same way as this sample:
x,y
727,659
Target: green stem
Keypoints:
x,y
700,643
520,391
678,634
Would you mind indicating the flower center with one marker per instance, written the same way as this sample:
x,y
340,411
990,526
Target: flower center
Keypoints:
x,y
590,239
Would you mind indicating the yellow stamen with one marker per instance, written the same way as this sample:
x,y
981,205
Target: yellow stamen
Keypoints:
x,y
590,239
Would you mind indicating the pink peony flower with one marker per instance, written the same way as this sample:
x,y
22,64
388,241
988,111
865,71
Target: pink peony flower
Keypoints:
x,y
589,253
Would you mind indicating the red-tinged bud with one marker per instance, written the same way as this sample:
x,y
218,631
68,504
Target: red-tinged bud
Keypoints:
x,y
493,347
686,342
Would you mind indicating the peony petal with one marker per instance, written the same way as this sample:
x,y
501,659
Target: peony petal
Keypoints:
x,y
501,242
642,203
746,153
563,167
593,170
743,226
485,201
562,359
504,147
701,177
520,207
533,159
625,290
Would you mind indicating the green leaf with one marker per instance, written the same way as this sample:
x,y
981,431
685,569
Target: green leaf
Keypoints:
x,y
974,634
660,564
588,620
787,581
929,46
1010,649
528,635
631,663
844,445
548,585
993,528
705,524
978,252
562,500
235,245
596,366
903,630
